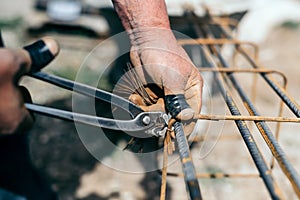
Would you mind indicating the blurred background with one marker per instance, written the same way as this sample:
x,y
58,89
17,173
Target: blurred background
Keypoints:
x,y
79,26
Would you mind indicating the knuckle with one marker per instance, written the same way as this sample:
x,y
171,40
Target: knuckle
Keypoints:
x,y
136,99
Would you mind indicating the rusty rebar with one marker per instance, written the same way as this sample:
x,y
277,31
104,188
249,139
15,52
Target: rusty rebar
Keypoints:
x,y
217,175
254,151
253,118
256,155
187,163
247,118
219,41
281,92
265,131
289,101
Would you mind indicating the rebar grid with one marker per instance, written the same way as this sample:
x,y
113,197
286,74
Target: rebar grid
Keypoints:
x,y
224,75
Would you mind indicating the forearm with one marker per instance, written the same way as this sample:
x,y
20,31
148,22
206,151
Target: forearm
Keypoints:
x,y
139,14
144,21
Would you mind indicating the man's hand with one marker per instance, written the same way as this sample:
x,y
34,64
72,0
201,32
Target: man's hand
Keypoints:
x,y
160,61
14,116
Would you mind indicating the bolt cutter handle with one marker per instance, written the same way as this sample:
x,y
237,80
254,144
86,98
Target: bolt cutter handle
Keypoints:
x,y
145,122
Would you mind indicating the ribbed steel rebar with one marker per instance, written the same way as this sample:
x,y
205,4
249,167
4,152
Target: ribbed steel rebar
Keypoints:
x,y
281,92
268,136
289,101
256,155
187,163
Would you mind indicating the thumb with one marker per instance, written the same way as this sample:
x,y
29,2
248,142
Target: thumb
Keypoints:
x,y
178,107
41,53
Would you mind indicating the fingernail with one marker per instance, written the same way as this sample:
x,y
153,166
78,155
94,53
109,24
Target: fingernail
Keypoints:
x,y
186,114
42,52
52,45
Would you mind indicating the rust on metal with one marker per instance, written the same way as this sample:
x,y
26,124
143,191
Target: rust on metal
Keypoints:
x,y
225,74
247,118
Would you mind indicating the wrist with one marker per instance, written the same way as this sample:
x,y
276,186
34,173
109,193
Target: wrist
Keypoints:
x,y
153,37
138,14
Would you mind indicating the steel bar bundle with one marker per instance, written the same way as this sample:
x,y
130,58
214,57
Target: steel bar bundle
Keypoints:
x,y
224,73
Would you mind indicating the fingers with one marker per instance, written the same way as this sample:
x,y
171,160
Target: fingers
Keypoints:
x,y
138,100
181,110
14,117
13,62
159,60
189,104
178,107
193,90
41,53
17,62
183,107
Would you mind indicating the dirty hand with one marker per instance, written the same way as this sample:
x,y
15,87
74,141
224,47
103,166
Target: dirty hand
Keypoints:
x,y
161,64
170,78
14,63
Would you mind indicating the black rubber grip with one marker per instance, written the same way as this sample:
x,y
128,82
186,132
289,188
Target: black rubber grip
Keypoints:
x,y
40,55
175,104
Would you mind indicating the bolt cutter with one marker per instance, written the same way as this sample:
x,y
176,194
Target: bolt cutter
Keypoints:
x,y
146,123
